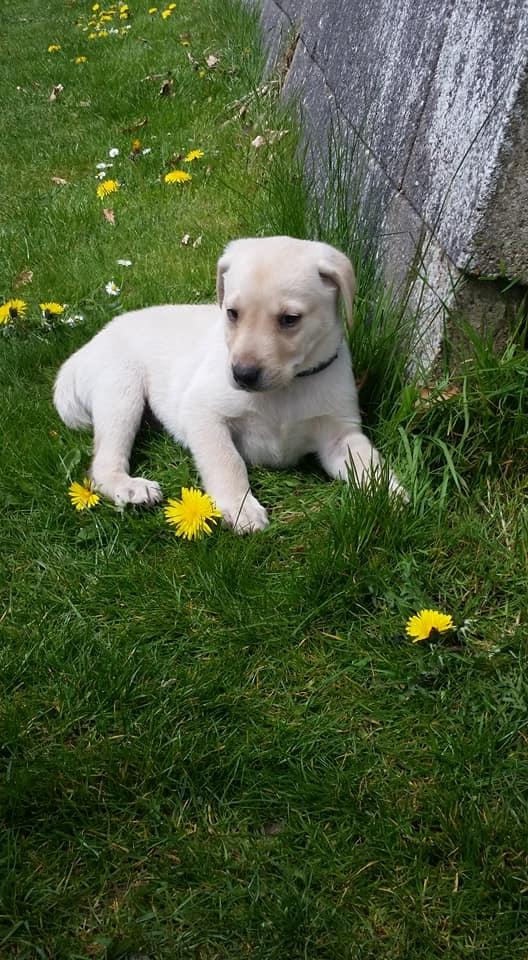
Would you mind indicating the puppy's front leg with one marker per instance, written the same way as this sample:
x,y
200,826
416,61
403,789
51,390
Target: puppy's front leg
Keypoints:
x,y
345,454
224,475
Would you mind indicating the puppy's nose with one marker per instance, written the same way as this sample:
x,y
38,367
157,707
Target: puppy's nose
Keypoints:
x,y
247,376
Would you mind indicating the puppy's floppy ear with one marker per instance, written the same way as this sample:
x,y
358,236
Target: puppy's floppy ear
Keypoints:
x,y
337,269
222,266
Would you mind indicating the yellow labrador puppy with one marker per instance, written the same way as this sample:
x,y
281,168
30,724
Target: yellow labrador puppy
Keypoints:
x,y
263,378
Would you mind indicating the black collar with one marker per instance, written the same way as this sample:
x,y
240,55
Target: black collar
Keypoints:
x,y
318,368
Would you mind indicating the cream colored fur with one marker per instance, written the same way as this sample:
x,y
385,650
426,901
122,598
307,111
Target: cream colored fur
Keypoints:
x,y
180,360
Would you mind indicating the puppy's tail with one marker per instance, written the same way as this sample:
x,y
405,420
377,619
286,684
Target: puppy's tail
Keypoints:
x,y
66,398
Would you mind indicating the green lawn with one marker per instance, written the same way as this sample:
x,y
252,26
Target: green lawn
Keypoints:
x,y
228,748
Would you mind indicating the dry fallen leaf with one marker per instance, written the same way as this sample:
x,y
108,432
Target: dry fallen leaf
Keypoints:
x,y
431,394
25,276
135,126
59,181
274,135
258,142
109,215
166,87
56,92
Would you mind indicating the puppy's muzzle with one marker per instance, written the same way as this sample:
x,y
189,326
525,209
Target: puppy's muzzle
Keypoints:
x,y
248,377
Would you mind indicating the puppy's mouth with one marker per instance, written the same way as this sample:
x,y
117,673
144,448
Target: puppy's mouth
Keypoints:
x,y
247,389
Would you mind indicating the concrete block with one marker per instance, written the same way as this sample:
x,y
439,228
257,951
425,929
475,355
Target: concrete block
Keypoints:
x,y
475,102
501,237
275,27
436,96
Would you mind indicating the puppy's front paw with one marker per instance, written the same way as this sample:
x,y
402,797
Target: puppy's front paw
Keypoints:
x,y
246,517
396,489
137,490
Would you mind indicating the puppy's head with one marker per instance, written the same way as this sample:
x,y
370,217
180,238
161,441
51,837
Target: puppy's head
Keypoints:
x,y
279,297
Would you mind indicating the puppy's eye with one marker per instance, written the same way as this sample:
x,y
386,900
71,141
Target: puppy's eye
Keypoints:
x,y
232,315
288,320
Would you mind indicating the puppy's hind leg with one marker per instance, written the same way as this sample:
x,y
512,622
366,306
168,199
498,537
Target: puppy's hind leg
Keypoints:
x,y
117,409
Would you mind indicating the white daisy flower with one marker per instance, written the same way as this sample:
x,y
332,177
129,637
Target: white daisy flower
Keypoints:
x,y
124,263
114,152
103,166
112,289
73,321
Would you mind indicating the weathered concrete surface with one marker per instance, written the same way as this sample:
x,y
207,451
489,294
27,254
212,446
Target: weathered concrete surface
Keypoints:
x,y
436,95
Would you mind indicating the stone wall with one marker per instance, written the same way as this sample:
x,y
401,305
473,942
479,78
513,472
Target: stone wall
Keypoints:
x,y
436,96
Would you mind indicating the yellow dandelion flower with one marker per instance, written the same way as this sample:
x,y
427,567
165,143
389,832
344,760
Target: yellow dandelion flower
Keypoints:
x,y
107,187
166,13
5,314
96,7
202,74
81,59
426,623
51,309
177,176
12,310
172,6
54,48
193,155
106,18
152,10
136,145
193,514
82,495
92,36
102,33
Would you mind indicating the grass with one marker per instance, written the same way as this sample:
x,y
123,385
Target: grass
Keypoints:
x,y
228,748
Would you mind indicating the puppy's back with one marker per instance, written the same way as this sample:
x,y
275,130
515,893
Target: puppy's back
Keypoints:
x,y
150,343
